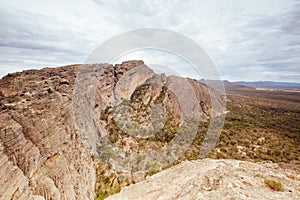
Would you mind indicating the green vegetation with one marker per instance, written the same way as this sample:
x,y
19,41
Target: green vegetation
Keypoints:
x,y
274,185
139,114
152,168
255,128
161,96
105,152
108,182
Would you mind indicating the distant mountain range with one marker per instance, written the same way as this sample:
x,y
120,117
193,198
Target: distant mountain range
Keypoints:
x,y
245,85
269,84
227,85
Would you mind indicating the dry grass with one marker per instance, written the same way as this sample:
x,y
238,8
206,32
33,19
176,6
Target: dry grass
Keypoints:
x,y
256,127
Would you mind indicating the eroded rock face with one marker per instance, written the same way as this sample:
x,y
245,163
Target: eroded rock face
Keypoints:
x,y
46,151
41,153
215,179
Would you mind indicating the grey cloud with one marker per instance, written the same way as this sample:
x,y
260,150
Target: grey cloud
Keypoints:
x,y
271,42
30,39
33,31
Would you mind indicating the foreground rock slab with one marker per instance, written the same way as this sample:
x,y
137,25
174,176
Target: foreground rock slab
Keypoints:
x,y
216,179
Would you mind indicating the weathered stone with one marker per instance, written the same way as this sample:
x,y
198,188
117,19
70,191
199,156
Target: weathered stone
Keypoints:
x,y
42,156
215,179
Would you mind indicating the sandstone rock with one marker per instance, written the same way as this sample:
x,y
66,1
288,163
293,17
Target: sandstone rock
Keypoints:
x,y
42,155
215,179
129,81
51,127
49,123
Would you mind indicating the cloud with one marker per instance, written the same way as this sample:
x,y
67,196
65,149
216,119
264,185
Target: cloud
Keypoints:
x,y
265,46
248,40
29,40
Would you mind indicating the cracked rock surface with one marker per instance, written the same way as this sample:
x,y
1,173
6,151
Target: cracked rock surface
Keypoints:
x,y
215,179
41,153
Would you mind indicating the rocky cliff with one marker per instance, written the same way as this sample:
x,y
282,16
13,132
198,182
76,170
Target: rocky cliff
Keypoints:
x,y
41,153
85,131
138,122
53,122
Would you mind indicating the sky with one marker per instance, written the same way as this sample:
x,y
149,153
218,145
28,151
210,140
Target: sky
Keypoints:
x,y
247,40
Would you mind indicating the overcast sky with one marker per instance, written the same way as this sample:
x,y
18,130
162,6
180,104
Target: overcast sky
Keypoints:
x,y
247,40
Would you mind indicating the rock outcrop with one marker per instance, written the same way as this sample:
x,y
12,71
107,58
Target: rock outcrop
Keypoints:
x,y
55,125
127,112
216,179
52,123
41,153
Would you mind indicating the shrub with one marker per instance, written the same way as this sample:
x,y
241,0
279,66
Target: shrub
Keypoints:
x,y
274,185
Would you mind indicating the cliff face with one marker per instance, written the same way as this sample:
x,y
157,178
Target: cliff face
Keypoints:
x,y
52,121
41,153
55,125
217,179
128,115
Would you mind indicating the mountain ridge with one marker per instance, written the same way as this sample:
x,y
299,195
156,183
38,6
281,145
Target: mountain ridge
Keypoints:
x,y
44,155
269,84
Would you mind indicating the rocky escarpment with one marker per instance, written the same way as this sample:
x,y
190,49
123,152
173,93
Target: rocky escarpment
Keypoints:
x,y
128,116
53,121
217,179
85,131
41,153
